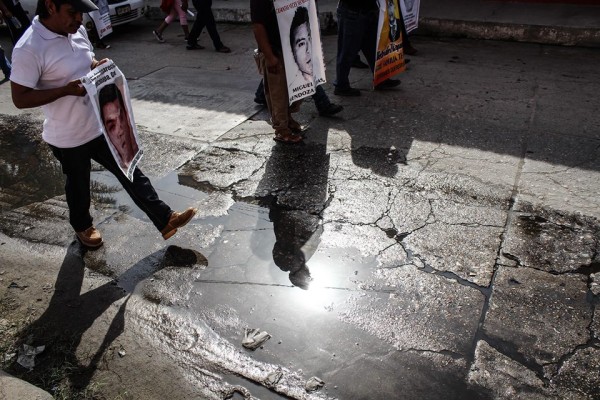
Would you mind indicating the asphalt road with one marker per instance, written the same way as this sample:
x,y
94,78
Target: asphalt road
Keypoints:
x,y
449,229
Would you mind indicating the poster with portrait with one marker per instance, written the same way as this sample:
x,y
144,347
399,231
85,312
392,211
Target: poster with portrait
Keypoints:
x,y
410,12
301,43
107,88
101,18
389,59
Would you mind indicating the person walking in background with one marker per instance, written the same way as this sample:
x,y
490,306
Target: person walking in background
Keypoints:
x,y
99,28
205,18
357,31
48,63
15,17
173,8
270,59
4,65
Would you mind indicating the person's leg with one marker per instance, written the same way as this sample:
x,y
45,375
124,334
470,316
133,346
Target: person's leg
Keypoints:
x,y
277,101
324,106
140,189
406,45
211,27
4,64
76,166
182,18
163,25
198,25
350,38
368,43
259,95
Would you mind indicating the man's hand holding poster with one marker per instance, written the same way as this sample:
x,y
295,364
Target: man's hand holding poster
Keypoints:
x,y
389,60
108,91
301,44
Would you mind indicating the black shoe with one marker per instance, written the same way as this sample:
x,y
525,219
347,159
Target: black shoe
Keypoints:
x,y
411,51
347,91
357,63
194,46
388,84
330,110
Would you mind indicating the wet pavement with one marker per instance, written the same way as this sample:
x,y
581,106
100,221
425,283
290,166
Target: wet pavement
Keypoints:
x,y
437,241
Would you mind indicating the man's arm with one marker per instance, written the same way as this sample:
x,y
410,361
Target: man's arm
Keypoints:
x,y
26,97
262,39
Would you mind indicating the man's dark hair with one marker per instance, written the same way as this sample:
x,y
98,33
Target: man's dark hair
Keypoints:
x,y
300,17
42,10
109,93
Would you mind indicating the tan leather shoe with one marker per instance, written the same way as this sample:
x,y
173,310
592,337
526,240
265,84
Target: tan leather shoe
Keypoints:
x,y
91,237
177,220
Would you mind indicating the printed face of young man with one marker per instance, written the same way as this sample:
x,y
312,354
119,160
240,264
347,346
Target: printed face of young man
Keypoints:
x,y
119,130
302,49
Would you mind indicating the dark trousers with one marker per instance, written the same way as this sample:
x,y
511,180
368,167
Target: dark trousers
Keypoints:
x,y
76,165
4,64
357,31
204,17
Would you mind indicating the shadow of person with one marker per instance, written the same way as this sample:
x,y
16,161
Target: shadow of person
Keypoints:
x,y
71,313
294,188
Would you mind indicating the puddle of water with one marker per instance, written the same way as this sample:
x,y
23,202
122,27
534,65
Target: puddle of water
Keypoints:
x,y
28,171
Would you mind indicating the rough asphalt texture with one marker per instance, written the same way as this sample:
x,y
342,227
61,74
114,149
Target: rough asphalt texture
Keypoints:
x,y
450,228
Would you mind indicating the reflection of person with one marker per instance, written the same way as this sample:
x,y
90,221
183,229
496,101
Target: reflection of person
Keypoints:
x,y
54,53
116,122
266,32
301,43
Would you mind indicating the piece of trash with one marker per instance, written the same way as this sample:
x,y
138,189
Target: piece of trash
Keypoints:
x,y
122,353
15,285
313,384
27,355
254,338
273,378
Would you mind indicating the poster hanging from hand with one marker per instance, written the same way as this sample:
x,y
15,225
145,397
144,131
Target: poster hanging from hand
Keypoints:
x,y
389,59
107,88
301,44
101,18
410,12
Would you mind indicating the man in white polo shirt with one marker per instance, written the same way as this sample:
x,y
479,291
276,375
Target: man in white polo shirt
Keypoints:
x,y
48,61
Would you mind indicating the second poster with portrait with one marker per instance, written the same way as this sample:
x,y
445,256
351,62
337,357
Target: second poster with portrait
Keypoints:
x,y
301,43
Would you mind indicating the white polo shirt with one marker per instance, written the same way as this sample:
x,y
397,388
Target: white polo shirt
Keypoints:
x,y
43,59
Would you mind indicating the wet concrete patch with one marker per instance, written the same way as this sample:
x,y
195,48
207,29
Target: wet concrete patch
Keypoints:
x,y
29,172
553,242
536,317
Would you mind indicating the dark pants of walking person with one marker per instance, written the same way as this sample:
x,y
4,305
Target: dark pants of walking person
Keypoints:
x,y
357,31
4,64
204,17
76,165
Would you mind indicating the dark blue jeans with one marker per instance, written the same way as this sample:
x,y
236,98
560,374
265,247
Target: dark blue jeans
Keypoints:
x,y
204,17
357,31
320,97
76,165
4,64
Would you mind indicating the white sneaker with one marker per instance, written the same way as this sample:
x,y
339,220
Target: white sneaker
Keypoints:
x,y
158,36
